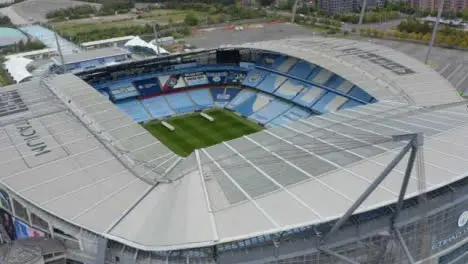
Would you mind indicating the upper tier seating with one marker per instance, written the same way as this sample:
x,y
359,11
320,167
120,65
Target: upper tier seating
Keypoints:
x,y
360,94
276,62
293,114
329,102
253,104
254,77
334,82
321,77
180,102
345,86
158,107
222,96
270,111
309,95
302,69
350,104
271,82
202,98
134,109
290,89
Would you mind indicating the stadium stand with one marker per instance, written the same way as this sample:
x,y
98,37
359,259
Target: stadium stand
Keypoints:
x,y
202,98
321,77
302,69
122,91
253,104
149,86
222,96
290,89
270,111
308,95
324,104
158,107
345,86
254,77
180,102
276,62
334,81
271,82
361,94
241,97
134,109
293,114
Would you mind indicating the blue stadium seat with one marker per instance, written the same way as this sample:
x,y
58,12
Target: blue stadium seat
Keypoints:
x,y
222,96
322,104
350,104
202,98
290,89
271,82
309,95
276,62
270,111
360,94
254,77
180,102
134,109
334,81
158,107
241,97
302,69
253,104
345,86
321,77
293,114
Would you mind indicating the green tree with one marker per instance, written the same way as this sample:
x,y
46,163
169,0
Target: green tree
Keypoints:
x,y
191,19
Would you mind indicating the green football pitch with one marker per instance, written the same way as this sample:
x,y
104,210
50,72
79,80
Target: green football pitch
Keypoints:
x,y
193,131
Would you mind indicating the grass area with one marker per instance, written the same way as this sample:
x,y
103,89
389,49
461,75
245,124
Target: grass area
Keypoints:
x,y
161,16
194,132
4,79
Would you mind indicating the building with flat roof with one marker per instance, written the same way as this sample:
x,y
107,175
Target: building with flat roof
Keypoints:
x,y
105,43
91,59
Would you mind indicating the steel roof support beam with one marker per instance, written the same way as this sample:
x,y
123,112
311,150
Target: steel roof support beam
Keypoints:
x,y
339,256
403,244
374,184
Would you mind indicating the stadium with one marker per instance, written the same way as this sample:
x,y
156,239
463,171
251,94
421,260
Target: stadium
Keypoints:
x,y
301,150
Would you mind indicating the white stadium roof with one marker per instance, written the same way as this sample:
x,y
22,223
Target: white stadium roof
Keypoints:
x,y
102,176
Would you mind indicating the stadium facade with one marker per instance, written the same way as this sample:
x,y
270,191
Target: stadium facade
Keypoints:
x,y
76,168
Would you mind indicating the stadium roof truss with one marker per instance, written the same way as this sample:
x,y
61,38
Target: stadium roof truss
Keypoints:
x,y
104,173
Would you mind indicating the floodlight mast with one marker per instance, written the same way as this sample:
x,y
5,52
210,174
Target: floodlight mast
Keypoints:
x,y
294,10
414,145
156,39
434,31
59,49
363,11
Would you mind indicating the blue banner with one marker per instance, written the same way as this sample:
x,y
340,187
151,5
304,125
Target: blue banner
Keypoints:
x,y
148,86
